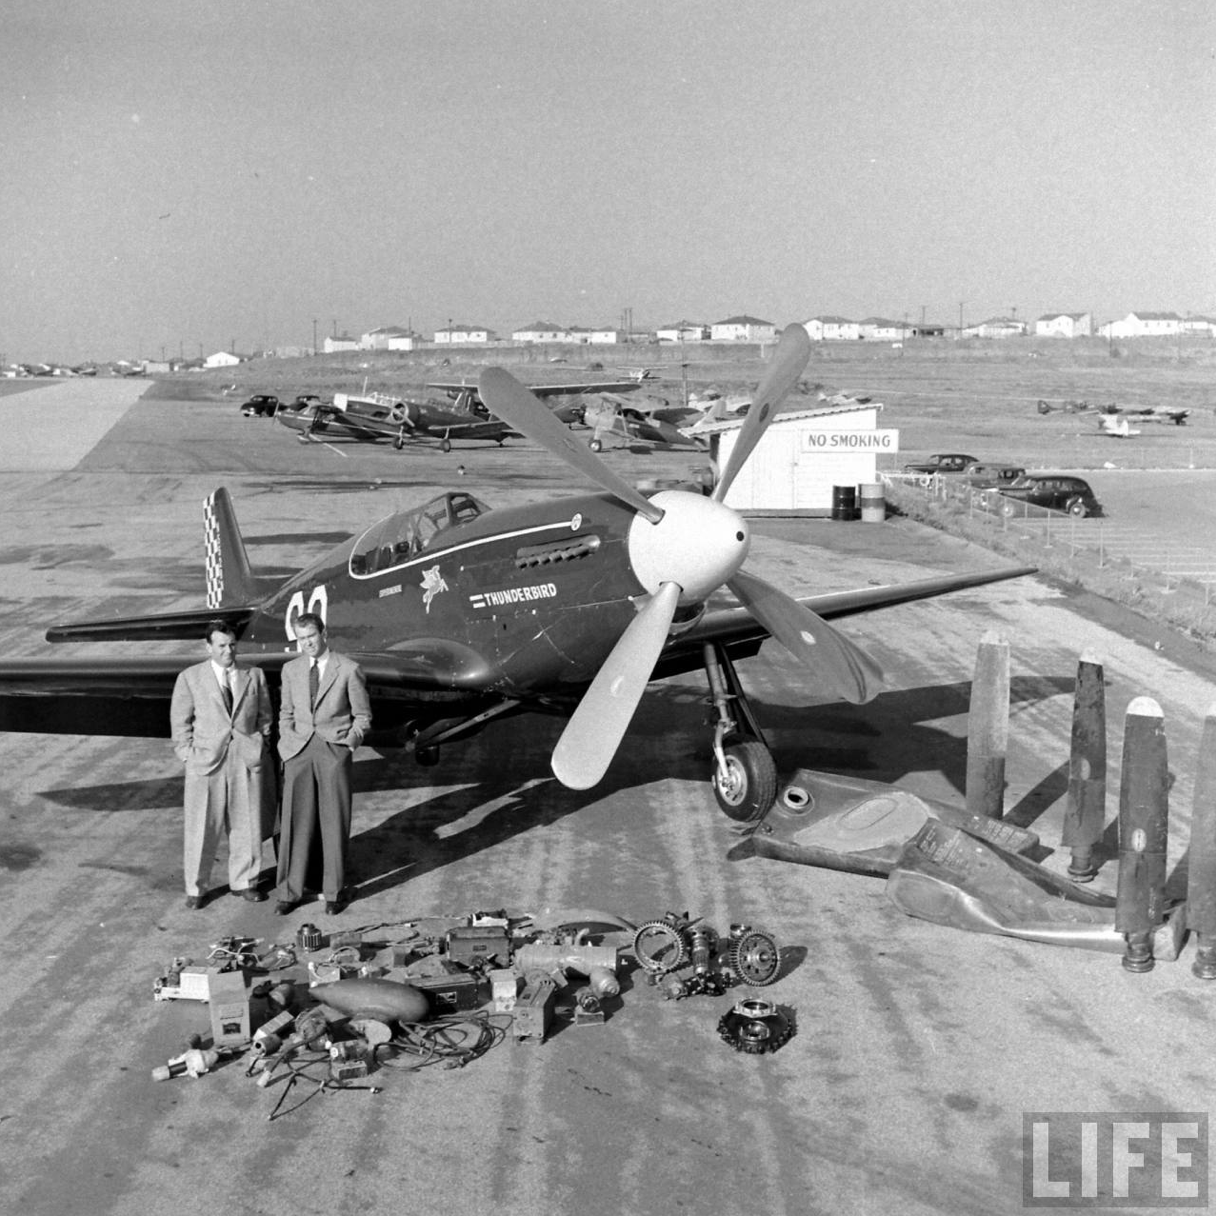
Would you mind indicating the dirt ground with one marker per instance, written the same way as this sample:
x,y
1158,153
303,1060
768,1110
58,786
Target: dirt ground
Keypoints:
x,y
918,1048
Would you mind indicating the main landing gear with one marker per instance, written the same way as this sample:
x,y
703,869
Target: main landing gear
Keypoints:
x,y
744,774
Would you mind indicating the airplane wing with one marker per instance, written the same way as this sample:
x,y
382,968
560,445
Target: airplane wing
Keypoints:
x,y
129,695
743,635
426,679
546,390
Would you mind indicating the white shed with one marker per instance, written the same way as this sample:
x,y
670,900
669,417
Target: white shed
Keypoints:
x,y
803,455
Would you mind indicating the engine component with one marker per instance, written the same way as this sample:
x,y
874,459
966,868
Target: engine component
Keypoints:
x,y
384,1000
753,956
308,936
660,945
192,1063
756,1026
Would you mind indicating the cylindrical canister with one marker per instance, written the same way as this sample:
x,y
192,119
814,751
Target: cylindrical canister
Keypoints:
x,y
873,499
844,502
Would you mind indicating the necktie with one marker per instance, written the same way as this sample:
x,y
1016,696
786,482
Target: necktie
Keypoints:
x,y
314,681
226,689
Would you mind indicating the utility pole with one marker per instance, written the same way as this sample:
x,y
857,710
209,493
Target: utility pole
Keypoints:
x,y
314,335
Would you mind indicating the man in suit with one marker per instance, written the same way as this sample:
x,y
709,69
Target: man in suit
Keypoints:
x,y
324,714
221,719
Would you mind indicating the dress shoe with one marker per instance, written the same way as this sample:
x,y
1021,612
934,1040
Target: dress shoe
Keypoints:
x,y
252,894
334,906
193,903
284,906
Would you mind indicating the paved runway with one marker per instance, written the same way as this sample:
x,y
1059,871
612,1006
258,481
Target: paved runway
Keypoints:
x,y
918,1048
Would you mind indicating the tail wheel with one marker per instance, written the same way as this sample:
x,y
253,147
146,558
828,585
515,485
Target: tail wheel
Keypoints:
x,y
746,785
1076,506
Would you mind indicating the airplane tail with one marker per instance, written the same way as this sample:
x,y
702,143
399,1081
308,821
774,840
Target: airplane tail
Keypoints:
x,y
230,579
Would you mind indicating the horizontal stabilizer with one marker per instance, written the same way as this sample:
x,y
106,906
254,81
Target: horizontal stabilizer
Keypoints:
x,y
166,627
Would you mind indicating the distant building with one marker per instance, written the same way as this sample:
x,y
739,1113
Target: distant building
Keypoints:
x,y
463,335
996,327
600,335
880,329
1064,325
222,358
541,331
832,329
1143,325
1204,327
742,329
682,331
339,342
388,337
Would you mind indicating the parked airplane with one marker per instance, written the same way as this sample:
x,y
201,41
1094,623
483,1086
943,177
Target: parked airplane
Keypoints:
x,y
637,421
370,417
460,615
1159,413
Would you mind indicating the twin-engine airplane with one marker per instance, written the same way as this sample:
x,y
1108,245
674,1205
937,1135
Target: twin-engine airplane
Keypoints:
x,y
460,615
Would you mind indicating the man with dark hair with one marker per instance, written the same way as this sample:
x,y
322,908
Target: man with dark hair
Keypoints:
x,y
221,719
324,715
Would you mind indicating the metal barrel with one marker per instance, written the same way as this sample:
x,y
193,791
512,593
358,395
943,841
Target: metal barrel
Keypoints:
x,y
844,502
873,498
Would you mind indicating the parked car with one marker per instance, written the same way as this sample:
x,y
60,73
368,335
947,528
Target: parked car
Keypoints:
x,y
302,402
981,476
1057,491
261,405
941,462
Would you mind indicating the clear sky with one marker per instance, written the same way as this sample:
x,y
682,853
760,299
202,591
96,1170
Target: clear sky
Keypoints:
x,y
179,175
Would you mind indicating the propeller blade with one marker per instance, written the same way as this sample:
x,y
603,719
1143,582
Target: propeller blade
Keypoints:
x,y
505,396
789,360
810,639
597,726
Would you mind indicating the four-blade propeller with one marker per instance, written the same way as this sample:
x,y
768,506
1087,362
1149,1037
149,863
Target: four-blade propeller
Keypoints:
x,y
688,547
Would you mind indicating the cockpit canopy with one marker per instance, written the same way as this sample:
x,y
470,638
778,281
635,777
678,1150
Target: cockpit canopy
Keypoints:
x,y
399,538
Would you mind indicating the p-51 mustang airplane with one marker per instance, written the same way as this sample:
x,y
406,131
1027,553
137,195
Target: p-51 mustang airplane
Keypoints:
x,y
460,615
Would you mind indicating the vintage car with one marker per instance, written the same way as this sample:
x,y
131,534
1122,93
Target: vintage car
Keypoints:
x,y
941,462
261,405
983,476
1056,491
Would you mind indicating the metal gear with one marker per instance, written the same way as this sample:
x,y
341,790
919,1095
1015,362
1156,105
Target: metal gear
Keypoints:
x,y
754,957
756,1026
660,947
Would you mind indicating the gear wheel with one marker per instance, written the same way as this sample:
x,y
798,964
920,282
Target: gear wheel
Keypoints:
x,y
660,947
754,957
756,1027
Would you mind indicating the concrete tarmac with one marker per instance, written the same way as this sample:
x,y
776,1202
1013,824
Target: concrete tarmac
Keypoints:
x,y
918,1048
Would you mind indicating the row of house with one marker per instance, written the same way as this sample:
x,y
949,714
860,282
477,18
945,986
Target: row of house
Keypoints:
x,y
750,329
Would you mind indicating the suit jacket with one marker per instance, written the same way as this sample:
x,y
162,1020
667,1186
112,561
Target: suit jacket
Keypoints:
x,y
342,714
204,733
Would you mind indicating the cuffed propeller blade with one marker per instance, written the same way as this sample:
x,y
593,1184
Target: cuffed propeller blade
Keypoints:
x,y
810,639
789,360
598,725
505,397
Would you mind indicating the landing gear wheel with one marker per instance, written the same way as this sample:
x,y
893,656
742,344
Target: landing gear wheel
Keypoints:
x,y
754,958
445,445
660,947
399,443
747,787
595,445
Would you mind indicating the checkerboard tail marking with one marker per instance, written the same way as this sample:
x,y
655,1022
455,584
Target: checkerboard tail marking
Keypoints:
x,y
230,581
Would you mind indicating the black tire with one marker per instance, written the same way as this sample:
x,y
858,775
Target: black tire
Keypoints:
x,y
1077,507
750,787
398,443
427,756
445,446
595,445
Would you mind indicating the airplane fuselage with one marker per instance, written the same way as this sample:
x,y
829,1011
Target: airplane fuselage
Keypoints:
x,y
532,596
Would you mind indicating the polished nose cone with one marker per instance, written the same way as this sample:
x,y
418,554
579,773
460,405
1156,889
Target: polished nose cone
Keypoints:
x,y
698,544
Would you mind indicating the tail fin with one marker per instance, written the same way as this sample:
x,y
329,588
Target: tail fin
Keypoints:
x,y
230,580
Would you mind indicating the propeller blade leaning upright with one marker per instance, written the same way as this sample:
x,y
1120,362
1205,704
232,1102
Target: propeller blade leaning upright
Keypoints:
x,y
503,395
810,639
598,725
789,360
